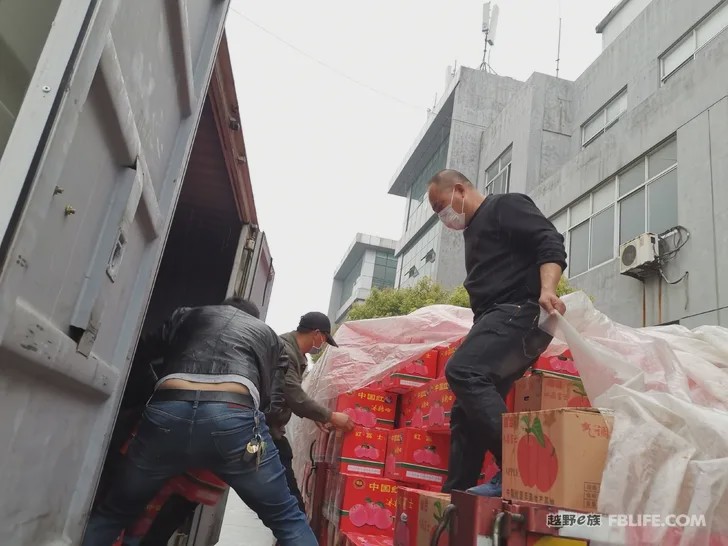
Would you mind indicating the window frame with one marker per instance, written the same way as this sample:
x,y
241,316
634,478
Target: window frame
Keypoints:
x,y
692,34
602,111
616,203
501,169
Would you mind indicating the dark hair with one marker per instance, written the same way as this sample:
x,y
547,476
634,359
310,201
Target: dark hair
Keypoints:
x,y
244,305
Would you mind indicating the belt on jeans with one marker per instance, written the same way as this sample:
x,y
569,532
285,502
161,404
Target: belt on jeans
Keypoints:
x,y
181,395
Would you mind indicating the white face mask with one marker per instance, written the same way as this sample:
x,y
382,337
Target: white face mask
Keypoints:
x,y
453,220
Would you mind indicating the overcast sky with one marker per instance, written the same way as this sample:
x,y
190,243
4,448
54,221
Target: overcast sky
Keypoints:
x,y
332,95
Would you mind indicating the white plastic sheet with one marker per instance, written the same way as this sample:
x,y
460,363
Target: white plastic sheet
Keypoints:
x,y
667,388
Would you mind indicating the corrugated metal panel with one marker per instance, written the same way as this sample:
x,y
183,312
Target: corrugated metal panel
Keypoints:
x,y
84,256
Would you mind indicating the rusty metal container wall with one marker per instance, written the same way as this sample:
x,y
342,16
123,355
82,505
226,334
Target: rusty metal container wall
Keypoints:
x,y
83,255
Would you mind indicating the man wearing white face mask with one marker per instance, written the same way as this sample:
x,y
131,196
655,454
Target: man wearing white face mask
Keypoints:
x,y
313,332
514,258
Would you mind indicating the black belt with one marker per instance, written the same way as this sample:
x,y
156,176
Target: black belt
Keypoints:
x,y
180,395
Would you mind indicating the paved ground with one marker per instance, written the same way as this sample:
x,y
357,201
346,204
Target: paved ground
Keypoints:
x,y
241,527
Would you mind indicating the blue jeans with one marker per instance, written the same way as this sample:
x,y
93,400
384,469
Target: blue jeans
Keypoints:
x,y
176,436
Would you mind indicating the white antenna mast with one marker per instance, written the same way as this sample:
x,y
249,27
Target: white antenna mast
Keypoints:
x,y
558,47
490,25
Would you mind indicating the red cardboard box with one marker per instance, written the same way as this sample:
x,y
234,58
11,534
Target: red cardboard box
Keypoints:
x,y
368,407
412,374
563,364
418,514
352,539
441,400
415,407
490,469
367,505
444,354
418,457
363,451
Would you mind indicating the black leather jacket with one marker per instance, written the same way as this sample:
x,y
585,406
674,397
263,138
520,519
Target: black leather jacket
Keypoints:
x,y
221,339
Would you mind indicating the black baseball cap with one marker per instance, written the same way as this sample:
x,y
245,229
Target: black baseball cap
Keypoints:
x,y
317,321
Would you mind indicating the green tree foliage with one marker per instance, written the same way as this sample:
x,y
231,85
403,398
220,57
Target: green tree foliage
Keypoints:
x,y
391,302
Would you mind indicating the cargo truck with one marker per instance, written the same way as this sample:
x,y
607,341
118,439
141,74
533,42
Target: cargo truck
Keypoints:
x,y
124,193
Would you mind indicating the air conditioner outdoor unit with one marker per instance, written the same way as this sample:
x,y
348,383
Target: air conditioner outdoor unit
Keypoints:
x,y
638,258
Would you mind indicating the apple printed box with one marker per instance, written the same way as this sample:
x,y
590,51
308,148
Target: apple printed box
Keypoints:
x,y
363,451
441,400
555,457
366,505
545,390
415,406
368,407
412,374
562,364
444,354
418,514
418,457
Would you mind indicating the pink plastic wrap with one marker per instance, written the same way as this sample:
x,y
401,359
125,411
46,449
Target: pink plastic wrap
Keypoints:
x,y
667,388
369,350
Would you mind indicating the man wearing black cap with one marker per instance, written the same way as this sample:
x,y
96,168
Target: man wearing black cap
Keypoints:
x,y
313,332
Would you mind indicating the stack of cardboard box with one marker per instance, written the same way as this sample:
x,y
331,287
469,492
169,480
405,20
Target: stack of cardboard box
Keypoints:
x,y
391,467
384,478
554,443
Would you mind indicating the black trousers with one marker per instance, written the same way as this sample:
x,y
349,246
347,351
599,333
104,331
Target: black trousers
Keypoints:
x,y
285,452
503,343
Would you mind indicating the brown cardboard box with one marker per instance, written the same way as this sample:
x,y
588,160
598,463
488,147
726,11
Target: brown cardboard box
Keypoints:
x,y
544,390
555,457
418,514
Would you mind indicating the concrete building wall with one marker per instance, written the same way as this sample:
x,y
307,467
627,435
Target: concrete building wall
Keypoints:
x,y
543,122
476,100
692,105
619,19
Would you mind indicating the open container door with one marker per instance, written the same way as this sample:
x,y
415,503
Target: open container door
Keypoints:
x,y
90,177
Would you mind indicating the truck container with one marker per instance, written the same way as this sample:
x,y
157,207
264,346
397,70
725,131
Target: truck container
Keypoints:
x,y
124,193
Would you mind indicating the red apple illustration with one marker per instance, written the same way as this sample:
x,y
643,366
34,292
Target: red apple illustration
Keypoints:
x,y
372,510
351,412
420,456
536,455
358,515
371,419
359,413
434,456
360,451
579,398
373,453
383,518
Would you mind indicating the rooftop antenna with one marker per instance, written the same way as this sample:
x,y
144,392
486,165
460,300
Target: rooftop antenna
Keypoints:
x,y
558,47
490,25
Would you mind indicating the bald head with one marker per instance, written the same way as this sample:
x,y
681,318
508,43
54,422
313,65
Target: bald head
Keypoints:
x,y
446,179
451,188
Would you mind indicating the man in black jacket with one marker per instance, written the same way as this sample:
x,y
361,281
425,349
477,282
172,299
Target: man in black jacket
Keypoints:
x,y
223,368
514,258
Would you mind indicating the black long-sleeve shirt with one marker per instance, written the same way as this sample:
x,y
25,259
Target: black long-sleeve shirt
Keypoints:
x,y
507,241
